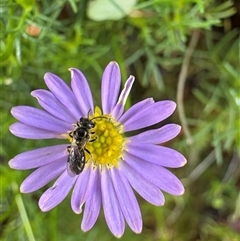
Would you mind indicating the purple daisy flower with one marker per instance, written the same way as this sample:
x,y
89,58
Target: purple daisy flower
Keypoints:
x,y
114,164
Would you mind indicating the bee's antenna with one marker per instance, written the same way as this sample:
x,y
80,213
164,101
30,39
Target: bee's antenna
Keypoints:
x,y
100,117
89,113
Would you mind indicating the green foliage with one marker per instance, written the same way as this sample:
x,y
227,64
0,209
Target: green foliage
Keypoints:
x,y
222,98
148,41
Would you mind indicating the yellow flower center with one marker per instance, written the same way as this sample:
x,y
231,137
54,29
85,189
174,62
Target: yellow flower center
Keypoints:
x,y
106,143
108,147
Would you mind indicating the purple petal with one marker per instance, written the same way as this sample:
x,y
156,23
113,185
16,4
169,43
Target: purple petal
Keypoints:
x,y
127,201
55,194
135,109
93,203
148,116
159,155
111,81
81,90
79,191
63,93
119,107
38,157
112,211
49,102
156,174
49,171
157,136
146,189
25,131
40,119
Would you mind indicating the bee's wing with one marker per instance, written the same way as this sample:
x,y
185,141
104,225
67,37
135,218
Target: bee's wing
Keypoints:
x,y
70,162
76,161
69,169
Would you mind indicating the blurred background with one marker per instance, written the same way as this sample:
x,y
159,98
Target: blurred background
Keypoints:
x,y
185,50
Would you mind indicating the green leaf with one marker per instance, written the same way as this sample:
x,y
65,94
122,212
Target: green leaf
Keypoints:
x,y
99,10
26,4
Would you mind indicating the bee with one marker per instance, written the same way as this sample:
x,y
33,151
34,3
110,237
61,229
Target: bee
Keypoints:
x,y
81,135
76,160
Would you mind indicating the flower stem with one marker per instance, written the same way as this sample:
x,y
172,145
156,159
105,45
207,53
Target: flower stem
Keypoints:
x,y
181,85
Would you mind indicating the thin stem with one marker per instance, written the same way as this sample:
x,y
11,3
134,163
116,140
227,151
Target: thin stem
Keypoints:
x,y
181,85
194,175
207,162
24,218
232,168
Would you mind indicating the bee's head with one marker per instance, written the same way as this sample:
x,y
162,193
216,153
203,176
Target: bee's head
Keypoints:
x,y
87,123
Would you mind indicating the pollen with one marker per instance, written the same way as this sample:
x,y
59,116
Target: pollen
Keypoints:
x,y
107,142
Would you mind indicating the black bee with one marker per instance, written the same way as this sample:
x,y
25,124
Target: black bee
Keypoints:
x,y
81,134
80,137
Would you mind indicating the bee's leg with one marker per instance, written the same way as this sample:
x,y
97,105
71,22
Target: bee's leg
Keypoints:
x,y
70,134
87,151
92,140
